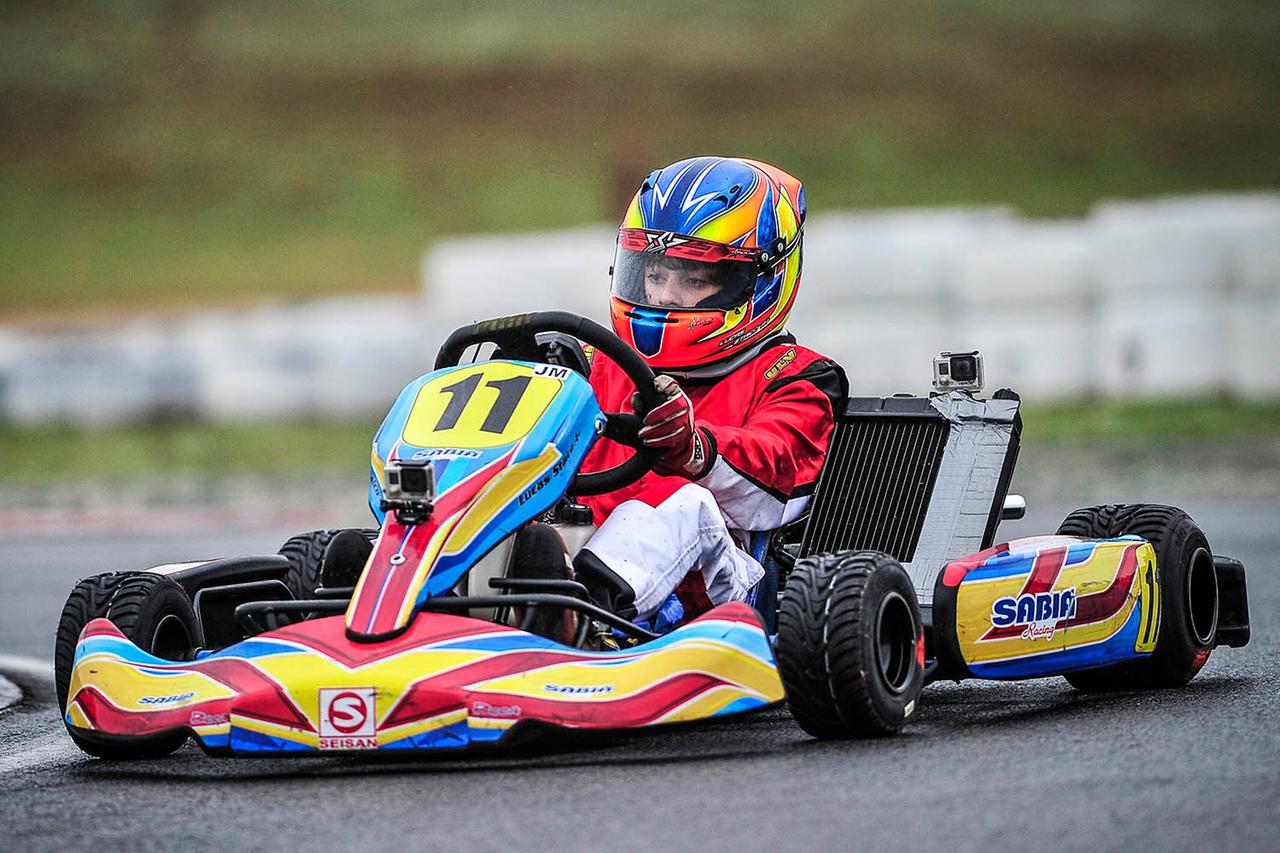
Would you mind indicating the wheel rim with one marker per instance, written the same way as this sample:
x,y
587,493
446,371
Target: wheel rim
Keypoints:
x,y
895,642
1202,597
171,640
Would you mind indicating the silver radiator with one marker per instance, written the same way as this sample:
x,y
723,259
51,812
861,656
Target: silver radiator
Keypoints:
x,y
921,479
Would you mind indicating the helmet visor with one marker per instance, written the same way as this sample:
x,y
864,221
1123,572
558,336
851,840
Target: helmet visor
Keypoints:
x,y
666,280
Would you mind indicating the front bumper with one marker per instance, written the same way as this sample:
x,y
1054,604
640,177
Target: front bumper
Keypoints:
x,y
448,682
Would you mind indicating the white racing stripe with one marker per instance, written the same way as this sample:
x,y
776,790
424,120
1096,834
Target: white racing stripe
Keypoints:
x,y
10,695
25,666
50,746
49,750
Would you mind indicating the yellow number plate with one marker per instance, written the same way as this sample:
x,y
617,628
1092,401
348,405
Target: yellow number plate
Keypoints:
x,y
481,405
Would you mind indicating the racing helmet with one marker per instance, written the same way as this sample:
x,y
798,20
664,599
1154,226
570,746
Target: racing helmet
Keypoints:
x,y
707,264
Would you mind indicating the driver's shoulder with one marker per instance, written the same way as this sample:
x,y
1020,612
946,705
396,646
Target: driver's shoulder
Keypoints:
x,y
786,362
785,358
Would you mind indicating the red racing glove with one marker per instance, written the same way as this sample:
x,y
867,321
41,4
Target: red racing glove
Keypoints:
x,y
670,429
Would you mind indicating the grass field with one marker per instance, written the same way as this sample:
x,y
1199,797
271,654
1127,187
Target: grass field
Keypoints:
x,y
157,154
341,449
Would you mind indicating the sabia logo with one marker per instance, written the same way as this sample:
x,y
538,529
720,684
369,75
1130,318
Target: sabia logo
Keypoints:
x,y
578,690
1040,610
165,700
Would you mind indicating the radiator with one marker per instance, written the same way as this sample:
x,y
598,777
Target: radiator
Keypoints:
x,y
921,479
878,478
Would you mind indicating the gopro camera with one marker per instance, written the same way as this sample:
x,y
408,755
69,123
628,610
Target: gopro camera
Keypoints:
x,y
410,490
958,371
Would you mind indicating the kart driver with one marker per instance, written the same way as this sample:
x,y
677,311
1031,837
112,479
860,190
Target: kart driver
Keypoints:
x,y
707,268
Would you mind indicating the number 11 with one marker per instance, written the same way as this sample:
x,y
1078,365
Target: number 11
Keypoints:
x,y
460,393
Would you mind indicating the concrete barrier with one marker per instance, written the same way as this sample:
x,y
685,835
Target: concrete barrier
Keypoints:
x,y
324,358
1167,296
1159,297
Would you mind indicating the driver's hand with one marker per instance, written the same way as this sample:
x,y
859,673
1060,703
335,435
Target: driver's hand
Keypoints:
x,y
670,429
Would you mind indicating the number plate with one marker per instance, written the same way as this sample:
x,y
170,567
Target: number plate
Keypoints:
x,y
481,405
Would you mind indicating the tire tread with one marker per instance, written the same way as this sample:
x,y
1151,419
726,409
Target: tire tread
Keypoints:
x,y
820,645
1168,529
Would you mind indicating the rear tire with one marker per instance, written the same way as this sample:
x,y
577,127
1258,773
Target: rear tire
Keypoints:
x,y
539,554
329,558
305,553
849,645
1188,619
155,614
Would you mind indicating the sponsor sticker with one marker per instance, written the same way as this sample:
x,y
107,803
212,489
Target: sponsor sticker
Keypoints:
x,y
575,690
484,709
786,358
1038,614
348,719
445,453
662,242
165,700
200,718
740,336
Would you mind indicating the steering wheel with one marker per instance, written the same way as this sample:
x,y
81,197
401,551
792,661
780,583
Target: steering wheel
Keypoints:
x,y
517,338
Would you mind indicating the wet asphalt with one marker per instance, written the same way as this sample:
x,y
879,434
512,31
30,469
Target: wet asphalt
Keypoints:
x,y
1030,765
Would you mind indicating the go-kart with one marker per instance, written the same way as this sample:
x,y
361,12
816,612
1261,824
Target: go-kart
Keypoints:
x,y
419,634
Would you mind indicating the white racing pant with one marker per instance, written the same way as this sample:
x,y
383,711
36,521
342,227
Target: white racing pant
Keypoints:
x,y
653,548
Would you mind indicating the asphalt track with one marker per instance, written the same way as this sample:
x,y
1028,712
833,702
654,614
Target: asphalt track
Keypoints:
x,y
1032,765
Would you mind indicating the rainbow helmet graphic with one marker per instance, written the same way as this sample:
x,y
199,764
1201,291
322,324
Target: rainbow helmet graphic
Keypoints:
x,y
728,231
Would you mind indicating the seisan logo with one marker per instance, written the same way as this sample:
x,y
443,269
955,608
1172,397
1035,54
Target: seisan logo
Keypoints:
x,y
445,453
348,719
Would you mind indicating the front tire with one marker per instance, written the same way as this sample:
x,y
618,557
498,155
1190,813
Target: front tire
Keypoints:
x,y
849,647
1188,621
87,601
155,614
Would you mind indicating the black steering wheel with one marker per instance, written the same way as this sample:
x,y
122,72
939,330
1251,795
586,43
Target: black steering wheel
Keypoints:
x,y
516,336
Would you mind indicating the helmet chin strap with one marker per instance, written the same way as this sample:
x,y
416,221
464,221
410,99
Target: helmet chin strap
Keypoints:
x,y
723,368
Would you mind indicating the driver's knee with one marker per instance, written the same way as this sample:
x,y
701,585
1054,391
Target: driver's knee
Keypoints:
x,y
608,589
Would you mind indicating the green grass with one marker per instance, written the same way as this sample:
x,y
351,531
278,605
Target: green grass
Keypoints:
x,y
1154,422
341,448
159,153
29,455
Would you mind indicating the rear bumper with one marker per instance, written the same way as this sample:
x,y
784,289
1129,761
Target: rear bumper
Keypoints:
x,y
1233,603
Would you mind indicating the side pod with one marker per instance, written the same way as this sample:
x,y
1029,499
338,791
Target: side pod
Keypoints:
x,y
1045,606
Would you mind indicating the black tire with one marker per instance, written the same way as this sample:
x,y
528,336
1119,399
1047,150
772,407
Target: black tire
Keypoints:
x,y
331,558
1187,624
848,645
539,554
156,615
87,601
305,553
345,557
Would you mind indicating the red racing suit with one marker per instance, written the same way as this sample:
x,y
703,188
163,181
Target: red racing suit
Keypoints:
x,y
768,424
